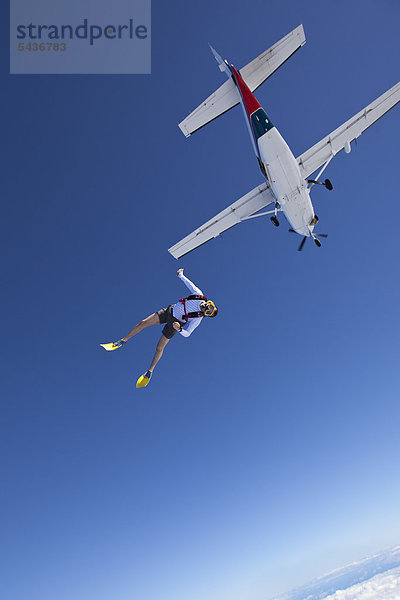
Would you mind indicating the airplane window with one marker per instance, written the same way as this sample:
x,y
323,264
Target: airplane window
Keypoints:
x,y
260,123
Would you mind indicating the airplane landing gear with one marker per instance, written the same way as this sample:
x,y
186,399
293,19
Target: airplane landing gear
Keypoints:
x,y
275,221
313,236
327,183
316,240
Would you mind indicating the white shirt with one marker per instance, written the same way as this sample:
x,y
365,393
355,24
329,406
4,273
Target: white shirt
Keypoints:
x,y
191,306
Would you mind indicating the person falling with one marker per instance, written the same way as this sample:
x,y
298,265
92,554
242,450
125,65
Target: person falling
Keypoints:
x,y
184,317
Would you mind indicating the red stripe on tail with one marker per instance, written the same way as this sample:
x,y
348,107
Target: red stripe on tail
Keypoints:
x,y
250,101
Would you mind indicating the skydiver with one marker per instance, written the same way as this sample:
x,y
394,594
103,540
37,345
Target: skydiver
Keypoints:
x,y
184,317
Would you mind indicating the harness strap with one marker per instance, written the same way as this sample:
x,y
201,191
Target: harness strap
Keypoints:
x,y
192,315
194,297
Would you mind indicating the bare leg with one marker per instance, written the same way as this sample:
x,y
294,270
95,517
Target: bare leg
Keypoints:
x,y
153,319
162,342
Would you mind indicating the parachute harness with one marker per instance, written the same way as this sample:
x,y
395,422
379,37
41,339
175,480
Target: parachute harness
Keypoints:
x,y
192,315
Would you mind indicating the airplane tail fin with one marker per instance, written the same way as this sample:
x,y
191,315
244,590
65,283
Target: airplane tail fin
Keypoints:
x,y
254,74
222,64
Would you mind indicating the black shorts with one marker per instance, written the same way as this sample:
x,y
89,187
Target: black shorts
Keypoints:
x,y
165,315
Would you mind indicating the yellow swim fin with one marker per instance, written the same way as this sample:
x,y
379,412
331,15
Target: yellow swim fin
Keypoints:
x,y
144,379
110,346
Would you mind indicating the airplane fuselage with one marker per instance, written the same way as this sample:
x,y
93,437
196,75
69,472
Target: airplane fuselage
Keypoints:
x,y
277,162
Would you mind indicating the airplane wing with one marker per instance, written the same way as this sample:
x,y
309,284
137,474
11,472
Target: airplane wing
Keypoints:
x,y
262,67
254,74
220,101
320,153
240,210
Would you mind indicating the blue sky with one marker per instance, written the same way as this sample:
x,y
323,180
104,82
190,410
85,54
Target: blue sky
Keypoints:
x,y
265,451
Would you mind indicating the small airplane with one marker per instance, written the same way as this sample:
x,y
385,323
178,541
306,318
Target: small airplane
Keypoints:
x,y
287,183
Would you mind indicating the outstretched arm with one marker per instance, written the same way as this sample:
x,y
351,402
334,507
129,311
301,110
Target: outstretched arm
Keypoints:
x,y
193,323
193,288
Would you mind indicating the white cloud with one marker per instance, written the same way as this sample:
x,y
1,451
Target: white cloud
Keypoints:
x,y
374,578
385,586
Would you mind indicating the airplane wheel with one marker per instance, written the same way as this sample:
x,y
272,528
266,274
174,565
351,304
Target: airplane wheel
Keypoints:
x,y
275,221
317,242
328,184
